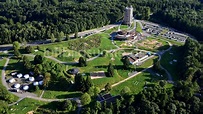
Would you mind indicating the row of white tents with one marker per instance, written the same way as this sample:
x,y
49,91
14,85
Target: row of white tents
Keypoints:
x,y
26,87
12,80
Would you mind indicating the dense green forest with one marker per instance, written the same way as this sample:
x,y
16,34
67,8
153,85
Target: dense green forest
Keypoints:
x,y
28,20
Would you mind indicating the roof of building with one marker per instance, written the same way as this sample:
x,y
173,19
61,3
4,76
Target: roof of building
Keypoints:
x,y
111,99
73,71
100,73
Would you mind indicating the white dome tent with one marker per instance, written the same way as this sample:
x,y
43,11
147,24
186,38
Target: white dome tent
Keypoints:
x,y
36,83
12,80
31,79
13,73
40,82
17,86
25,88
19,75
26,76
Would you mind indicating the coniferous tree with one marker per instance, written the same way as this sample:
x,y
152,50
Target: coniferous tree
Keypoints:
x,y
82,62
38,59
76,32
67,37
29,49
110,70
107,87
26,62
52,38
126,62
80,83
88,83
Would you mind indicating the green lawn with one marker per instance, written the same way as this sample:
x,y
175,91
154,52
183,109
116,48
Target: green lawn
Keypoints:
x,y
68,55
2,62
25,106
123,27
138,27
17,65
136,84
146,64
101,63
106,44
176,53
60,94
111,30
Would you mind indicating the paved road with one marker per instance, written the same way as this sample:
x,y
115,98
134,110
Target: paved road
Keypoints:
x,y
3,77
160,55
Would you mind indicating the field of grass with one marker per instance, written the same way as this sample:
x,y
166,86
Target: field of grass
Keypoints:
x,y
137,83
105,44
101,63
60,94
111,30
25,106
175,53
146,64
2,62
138,27
17,65
123,27
60,50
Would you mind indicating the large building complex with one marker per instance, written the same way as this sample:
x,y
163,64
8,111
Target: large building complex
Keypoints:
x,y
128,15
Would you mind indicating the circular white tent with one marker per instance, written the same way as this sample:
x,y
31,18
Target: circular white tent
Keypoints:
x,y
25,87
16,86
13,73
26,76
19,75
31,79
40,82
12,80
36,83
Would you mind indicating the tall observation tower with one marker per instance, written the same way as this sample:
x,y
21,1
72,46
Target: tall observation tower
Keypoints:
x,y
128,15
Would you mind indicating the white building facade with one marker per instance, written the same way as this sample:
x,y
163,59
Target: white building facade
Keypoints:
x,y
128,15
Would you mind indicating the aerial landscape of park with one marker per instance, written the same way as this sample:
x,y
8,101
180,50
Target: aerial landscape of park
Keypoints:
x,y
101,57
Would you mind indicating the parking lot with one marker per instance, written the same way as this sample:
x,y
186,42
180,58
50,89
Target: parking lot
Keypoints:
x,y
155,29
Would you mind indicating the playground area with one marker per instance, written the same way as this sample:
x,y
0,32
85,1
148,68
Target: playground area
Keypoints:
x,y
150,43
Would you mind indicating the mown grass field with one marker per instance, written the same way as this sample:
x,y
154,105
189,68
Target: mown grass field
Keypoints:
x,y
174,54
2,62
60,94
138,27
137,83
25,106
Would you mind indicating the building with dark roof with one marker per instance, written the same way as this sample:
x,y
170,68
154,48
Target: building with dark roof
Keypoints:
x,y
108,98
73,71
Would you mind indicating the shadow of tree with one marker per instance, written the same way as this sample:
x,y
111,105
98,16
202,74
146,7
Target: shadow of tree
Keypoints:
x,y
69,95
